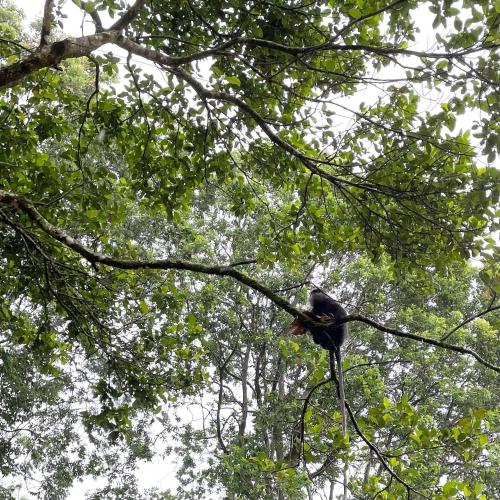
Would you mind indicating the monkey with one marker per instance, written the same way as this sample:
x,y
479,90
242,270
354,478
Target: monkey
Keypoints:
x,y
325,309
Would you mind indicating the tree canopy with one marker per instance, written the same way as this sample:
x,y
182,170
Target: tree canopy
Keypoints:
x,y
173,178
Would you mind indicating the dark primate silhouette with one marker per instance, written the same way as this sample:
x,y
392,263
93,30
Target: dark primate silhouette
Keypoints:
x,y
323,306
328,311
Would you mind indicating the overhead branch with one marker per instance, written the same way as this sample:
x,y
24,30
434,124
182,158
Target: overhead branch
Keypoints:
x,y
172,66
382,51
53,54
128,16
95,17
418,338
48,55
27,207
314,165
48,18
58,51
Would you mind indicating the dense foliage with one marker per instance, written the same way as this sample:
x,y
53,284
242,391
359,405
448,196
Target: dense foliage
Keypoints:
x,y
173,177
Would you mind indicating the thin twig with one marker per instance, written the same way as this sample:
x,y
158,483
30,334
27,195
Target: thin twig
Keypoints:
x,y
468,320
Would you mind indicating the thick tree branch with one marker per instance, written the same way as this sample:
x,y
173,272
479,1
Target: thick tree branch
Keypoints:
x,y
53,54
48,55
27,207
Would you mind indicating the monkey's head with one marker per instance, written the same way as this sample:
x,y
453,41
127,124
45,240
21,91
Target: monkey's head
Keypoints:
x,y
316,296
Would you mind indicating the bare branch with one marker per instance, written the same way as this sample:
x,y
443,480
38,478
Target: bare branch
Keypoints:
x,y
468,320
419,338
128,16
48,18
95,17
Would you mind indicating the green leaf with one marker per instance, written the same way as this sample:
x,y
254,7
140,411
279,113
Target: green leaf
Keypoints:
x,y
450,488
91,214
233,80
483,439
354,12
89,6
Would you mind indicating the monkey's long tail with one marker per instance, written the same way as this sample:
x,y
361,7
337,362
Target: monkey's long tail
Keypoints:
x,y
338,357
341,393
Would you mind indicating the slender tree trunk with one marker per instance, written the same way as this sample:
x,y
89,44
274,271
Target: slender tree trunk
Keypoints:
x,y
368,467
244,396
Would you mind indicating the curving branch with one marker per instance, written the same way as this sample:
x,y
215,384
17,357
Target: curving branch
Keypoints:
x,y
364,17
303,420
380,456
51,54
419,338
27,207
374,448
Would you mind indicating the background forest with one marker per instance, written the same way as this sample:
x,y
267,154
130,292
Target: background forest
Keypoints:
x,y
175,176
